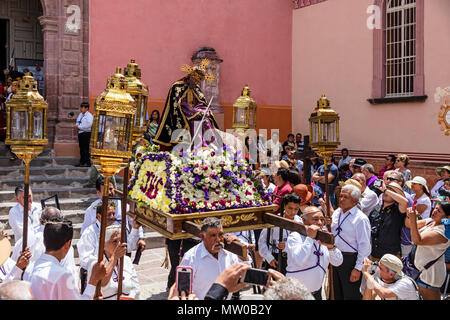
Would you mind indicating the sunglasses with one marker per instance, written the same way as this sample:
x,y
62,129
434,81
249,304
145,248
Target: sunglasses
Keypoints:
x,y
391,179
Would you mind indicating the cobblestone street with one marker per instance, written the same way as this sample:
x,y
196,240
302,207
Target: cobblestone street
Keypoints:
x,y
152,277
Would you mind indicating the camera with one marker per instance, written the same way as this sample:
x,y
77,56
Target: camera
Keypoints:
x,y
444,193
378,183
373,268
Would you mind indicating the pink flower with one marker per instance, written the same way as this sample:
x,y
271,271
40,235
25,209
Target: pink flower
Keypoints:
x,y
249,183
196,165
238,199
222,202
248,193
213,154
205,167
217,191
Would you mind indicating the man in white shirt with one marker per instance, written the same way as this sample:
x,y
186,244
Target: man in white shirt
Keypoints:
x,y
389,282
15,217
208,259
37,246
308,259
269,244
351,229
84,125
369,199
88,242
345,158
50,280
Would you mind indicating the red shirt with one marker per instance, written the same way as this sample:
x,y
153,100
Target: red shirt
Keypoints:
x,y
281,191
383,170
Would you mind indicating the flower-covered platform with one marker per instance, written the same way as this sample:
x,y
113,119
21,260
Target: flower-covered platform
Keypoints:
x,y
166,190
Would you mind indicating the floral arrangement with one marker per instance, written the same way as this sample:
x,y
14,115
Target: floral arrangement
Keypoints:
x,y
197,181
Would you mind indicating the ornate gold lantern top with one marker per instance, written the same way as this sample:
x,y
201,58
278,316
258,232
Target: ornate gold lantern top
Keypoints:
x,y
27,116
139,91
324,127
244,111
111,137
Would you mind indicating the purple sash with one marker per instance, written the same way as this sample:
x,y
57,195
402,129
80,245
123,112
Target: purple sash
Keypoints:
x,y
339,229
318,253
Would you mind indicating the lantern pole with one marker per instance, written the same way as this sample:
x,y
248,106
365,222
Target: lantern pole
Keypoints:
x,y
101,245
26,192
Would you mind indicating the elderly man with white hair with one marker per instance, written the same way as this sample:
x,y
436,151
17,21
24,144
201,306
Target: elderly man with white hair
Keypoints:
x,y
308,259
369,199
351,229
113,252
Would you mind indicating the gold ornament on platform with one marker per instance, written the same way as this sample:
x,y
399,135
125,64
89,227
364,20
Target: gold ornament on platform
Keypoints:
x,y
244,111
444,118
139,92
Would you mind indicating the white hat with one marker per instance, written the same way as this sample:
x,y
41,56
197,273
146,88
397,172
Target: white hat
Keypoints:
x,y
393,263
418,180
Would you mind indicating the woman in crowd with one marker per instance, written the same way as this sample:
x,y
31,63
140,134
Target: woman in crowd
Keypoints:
x,y
429,237
114,250
401,163
443,173
422,202
153,125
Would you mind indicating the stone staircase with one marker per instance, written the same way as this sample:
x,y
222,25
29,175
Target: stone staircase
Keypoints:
x,y
51,175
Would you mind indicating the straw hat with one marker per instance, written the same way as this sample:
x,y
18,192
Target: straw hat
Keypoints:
x,y
5,249
282,164
418,180
393,186
352,182
305,192
439,170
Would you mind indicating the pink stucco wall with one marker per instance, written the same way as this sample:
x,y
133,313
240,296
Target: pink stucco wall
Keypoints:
x,y
332,54
253,37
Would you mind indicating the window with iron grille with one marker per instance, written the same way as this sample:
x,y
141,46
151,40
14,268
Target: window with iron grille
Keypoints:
x,y
400,37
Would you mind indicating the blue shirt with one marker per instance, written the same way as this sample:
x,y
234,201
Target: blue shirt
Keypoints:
x,y
332,169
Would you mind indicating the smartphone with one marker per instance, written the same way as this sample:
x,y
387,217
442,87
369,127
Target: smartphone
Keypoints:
x,y
378,183
184,279
255,276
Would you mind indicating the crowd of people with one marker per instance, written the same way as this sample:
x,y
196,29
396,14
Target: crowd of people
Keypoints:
x,y
389,231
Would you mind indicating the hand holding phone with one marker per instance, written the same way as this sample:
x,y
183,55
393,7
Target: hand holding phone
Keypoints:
x,y
255,276
184,279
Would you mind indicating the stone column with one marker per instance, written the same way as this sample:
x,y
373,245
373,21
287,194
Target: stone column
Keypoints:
x,y
66,42
211,89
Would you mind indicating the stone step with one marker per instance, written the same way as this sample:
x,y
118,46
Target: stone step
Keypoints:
x,y
44,182
5,151
48,172
62,192
40,161
80,204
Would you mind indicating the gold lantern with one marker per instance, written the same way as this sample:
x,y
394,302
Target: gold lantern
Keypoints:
x,y
26,132
324,128
27,120
139,92
111,138
244,111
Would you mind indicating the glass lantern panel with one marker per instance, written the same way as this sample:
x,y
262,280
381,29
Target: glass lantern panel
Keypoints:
x,y
144,115
323,132
240,116
136,118
38,125
251,117
19,125
315,132
112,133
101,130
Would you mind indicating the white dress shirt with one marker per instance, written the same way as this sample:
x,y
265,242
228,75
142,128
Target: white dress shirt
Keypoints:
x,y
308,260
264,250
88,243
354,235
435,191
15,219
51,281
9,271
84,122
37,248
368,202
344,161
206,268
130,282
90,217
